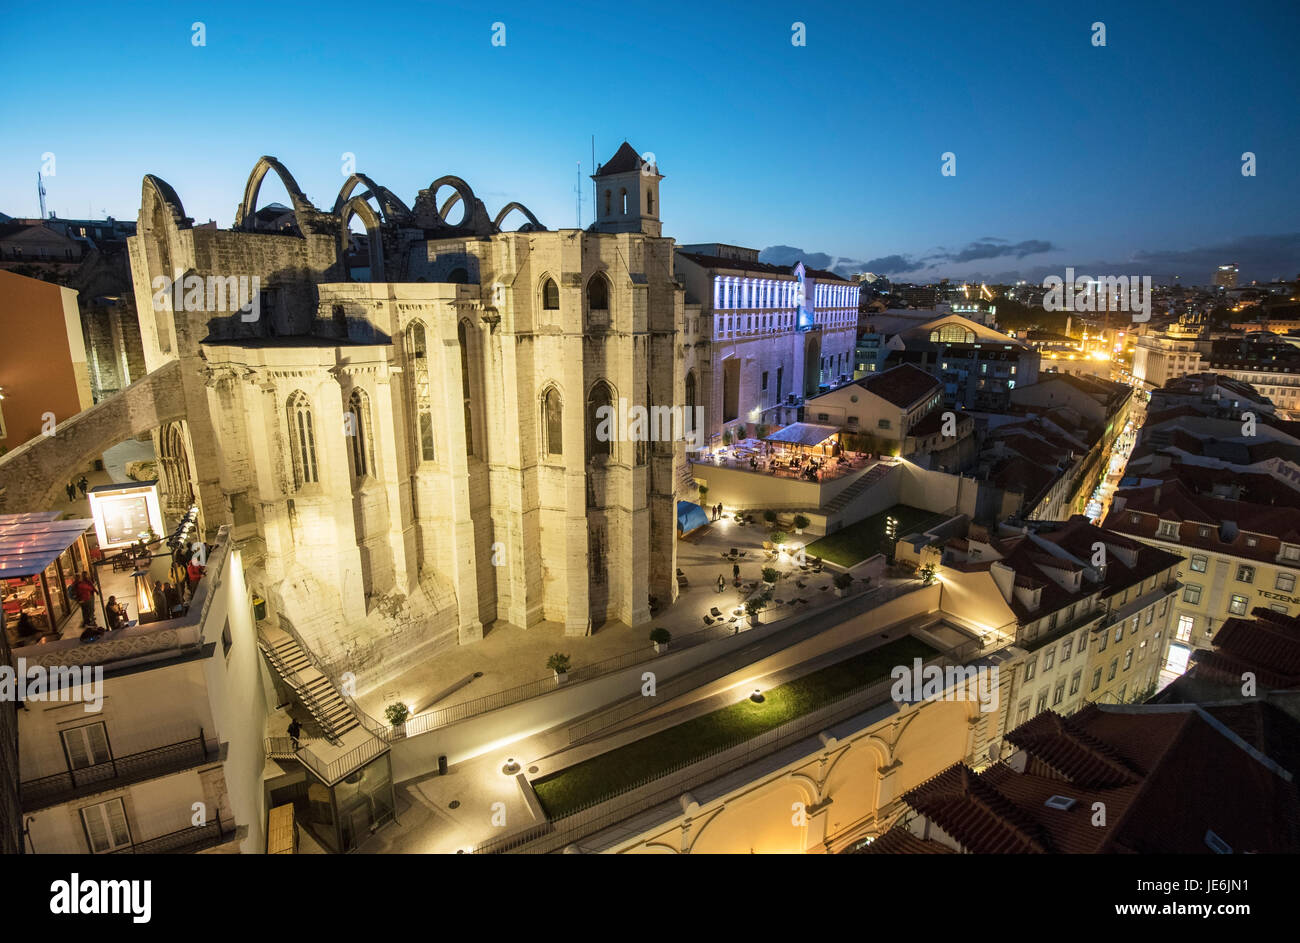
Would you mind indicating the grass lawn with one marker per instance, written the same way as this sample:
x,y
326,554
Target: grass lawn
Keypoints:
x,y
853,544
592,780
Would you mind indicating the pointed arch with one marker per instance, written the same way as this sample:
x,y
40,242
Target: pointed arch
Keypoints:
x,y
419,392
390,207
363,460
301,205
531,226
302,440
600,421
550,293
357,206
552,420
598,299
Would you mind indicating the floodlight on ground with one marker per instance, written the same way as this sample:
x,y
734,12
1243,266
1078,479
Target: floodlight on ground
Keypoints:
x,y
511,766
757,696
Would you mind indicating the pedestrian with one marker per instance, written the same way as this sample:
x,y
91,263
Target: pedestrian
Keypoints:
x,y
193,573
84,485
172,598
71,489
83,590
721,582
295,729
116,614
735,572
160,600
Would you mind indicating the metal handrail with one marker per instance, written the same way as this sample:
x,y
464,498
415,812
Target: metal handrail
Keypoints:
x,y
314,706
370,723
180,841
115,772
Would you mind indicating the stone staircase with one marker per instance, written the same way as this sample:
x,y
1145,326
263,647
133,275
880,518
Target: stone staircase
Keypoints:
x,y
845,497
310,685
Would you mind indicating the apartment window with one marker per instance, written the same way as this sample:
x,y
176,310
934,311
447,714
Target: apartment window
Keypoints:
x,y
1291,553
1102,641
1096,680
1119,631
1285,582
1135,519
1238,605
106,828
1252,541
1042,702
1142,650
1066,646
1203,531
882,424
1185,625
1030,667
1058,695
1114,666
1164,606
1245,574
1083,641
86,746
1168,529
1049,659
764,381
1199,562
1151,615
1191,594
1277,607
1123,690
1022,713
1075,680
1128,659
1051,623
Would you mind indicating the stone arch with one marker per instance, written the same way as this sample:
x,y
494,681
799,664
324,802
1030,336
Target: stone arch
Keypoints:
x,y
301,205
550,402
357,206
736,821
390,207
531,226
157,192
598,292
548,292
600,393
174,465
428,215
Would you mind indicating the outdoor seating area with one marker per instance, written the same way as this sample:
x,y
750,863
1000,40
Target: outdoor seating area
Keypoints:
x,y
799,451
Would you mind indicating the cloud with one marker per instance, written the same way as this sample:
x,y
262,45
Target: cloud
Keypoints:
x,y
893,265
986,249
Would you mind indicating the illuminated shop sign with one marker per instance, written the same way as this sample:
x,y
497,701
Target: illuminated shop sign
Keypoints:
x,y
125,513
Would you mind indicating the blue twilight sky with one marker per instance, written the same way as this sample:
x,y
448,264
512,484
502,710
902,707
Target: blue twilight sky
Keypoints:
x,y
1122,159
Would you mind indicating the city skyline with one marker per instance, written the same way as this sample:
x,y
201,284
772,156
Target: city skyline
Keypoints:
x,y
854,188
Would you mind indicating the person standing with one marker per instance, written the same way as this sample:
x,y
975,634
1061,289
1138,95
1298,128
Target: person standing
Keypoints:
x,y
295,729
721,583
84,485
71,489
735,572
83,590
160,606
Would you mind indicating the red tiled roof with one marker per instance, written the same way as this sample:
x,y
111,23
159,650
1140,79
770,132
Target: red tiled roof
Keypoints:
x,y
1267,646
899,841
904,385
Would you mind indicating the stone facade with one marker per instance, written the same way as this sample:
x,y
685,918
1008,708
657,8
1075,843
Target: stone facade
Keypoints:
x,y
406,461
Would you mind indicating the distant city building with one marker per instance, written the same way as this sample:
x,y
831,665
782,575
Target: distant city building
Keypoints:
x,y
1225,276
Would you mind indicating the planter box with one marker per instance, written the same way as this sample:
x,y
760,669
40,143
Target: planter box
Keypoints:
x,y
561,677
841,592
661,647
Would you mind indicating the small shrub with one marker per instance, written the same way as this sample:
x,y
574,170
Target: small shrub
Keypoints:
x,y
559,663
778,537
660,636
843,580
396,713
769,516
800,522
769,574
755,604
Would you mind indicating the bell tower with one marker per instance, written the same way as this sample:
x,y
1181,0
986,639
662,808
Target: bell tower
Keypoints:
x,y
627,193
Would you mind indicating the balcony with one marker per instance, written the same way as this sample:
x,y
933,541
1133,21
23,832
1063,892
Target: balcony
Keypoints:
x,y
187,841
116,772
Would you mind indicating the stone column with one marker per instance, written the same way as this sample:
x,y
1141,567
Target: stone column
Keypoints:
x,y
462,537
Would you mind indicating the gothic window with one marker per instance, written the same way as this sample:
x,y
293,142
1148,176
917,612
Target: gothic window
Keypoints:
x,y
552,423
600,425
649,203
689,424
359,432
465,387
550,296
302,440
598,301
417,352
622,195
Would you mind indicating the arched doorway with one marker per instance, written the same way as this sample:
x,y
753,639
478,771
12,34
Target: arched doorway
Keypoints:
x,y
175,473
812,367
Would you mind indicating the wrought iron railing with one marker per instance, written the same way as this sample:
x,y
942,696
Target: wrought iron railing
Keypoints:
x,y
115,772
183,841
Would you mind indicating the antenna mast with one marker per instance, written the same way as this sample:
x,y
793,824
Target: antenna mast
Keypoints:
x,y
40,189
577,193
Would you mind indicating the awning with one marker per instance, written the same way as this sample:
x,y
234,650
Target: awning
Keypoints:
x,y
28,546
690,516
804,433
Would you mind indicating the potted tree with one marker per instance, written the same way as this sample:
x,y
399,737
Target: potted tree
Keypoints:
x,y
396,713
778,539
770,517
559,663
769,576
753,606
927,574
704,490
800,522
661,637
842,583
